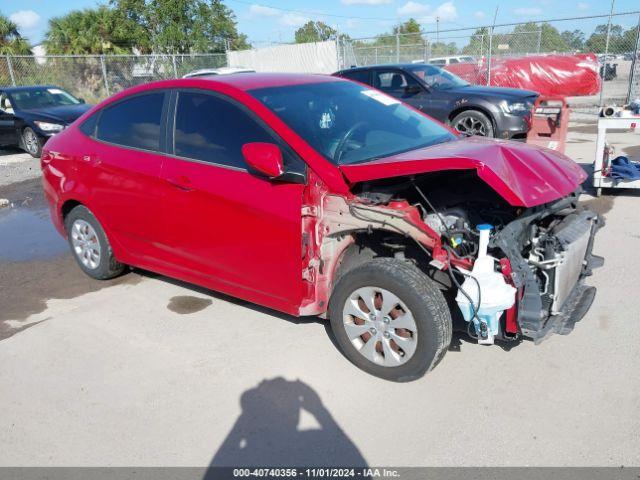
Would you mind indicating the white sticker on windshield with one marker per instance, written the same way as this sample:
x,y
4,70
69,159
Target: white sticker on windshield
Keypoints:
x,y
55,91
380,97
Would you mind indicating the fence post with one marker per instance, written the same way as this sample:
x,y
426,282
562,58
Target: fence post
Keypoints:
x,y
104,74
606,53
175,69
397,47
634,67
489,56
11,74
539,40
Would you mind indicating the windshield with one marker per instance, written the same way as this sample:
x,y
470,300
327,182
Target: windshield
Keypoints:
x,y
42,98
349,123
437,78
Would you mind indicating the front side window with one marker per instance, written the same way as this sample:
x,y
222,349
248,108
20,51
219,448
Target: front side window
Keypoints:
x,y
349,123
437,78
211,129
393,82
134,122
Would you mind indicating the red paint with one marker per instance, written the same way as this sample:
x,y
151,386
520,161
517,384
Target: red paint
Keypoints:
x,y
243,234
264,157
511,315
522,174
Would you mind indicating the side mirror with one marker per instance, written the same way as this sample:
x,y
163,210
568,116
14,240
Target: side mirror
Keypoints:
x,y
81,100
265,158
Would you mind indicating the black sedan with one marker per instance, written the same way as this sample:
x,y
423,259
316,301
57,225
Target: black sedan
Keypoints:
x,y
470,109
30,115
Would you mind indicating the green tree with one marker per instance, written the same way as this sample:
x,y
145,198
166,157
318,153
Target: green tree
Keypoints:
x,y
183,26
314,32
597,42
11,42
574,39
526,36
629,40
91,31
478,42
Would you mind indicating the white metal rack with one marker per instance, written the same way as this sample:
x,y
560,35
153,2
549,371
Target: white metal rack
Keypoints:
x,y
619,123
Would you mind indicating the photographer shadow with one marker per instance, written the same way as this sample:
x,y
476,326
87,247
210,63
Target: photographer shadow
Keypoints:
x,y
266,434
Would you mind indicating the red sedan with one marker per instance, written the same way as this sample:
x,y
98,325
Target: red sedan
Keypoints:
x,y
314,195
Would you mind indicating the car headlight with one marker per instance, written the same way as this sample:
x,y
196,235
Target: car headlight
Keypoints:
x,y
516,107
49,127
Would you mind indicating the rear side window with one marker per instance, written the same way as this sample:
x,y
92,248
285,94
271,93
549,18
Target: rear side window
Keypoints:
x,y
134,122
88,127
361,76
211,129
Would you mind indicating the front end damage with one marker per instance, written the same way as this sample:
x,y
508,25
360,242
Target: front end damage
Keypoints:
x,y
545,251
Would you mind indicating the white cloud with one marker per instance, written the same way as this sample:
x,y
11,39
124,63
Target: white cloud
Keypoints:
x,y
366,2
446,12
527,11
413,8
260,11
583,6
479,15
289,19
352,23
293,20
25,19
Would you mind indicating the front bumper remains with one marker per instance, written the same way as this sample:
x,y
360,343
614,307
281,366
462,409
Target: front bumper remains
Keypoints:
x,y
540,314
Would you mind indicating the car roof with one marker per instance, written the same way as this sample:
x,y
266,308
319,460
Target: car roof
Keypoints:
x,y
27,88
383,65
264,80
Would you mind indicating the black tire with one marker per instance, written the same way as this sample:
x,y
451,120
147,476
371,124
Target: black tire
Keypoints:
x,y
421,296
107,266
32,142
476,121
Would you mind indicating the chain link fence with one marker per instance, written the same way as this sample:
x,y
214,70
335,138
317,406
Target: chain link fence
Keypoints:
x,y
95,77
476,51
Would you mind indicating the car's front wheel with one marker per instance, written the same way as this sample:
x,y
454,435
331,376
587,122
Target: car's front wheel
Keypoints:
x,y
31,142
390,319
473,122
90,246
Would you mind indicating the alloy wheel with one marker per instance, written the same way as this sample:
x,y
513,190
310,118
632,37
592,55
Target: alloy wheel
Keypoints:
x,y
86,244
470,126
380,326
31,141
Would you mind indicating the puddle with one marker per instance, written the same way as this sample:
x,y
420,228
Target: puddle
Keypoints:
x,y
27,234
35,262
599,205
185,304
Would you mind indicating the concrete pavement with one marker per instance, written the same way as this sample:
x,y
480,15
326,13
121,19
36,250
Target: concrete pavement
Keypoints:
x,y
148,371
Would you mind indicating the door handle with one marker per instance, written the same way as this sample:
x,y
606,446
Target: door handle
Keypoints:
x,y
181,182
91,159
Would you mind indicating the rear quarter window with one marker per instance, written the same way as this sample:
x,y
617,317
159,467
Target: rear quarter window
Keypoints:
x,y
134,122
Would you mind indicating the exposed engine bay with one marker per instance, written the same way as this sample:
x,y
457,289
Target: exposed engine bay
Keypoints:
x,y
517,271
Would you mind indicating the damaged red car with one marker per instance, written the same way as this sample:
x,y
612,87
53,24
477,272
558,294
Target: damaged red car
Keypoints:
x,y
314,195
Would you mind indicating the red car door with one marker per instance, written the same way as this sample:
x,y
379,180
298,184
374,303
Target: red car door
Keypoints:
x,y
225,227
121,167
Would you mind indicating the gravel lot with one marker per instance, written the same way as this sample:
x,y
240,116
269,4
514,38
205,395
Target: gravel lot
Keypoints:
x,y
148,371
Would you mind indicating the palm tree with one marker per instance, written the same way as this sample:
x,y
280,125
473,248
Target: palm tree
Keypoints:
x,y
11,42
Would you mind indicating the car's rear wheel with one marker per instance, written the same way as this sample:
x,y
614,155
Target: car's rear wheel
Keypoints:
x,y
390,319
90,245
473,122
31,142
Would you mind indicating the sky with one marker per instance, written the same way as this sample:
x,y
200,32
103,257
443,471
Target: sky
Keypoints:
x,y
267,21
